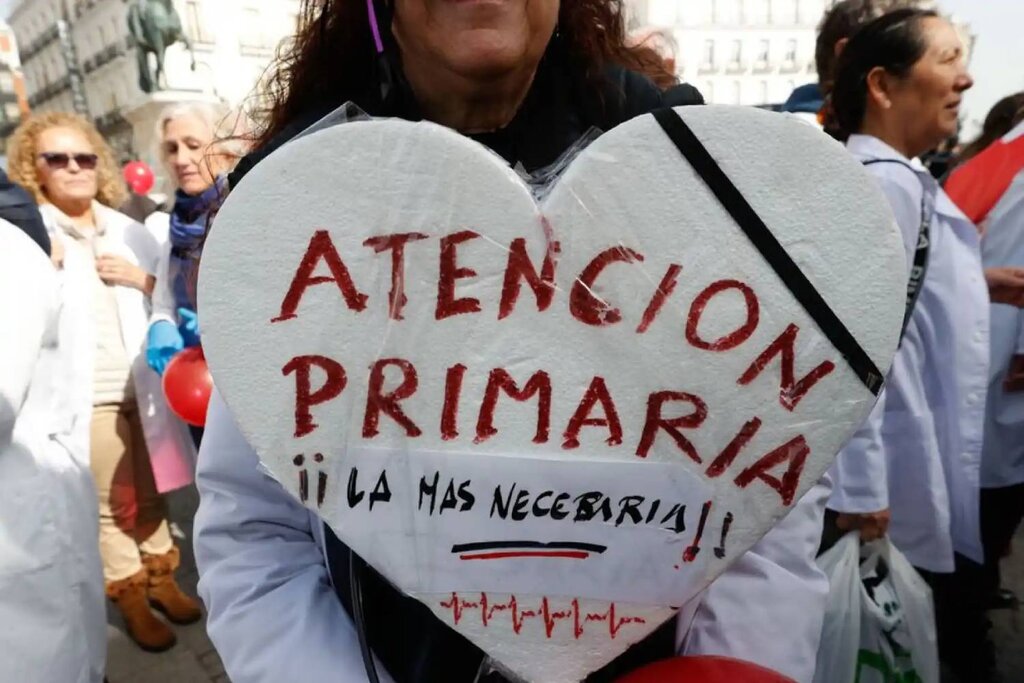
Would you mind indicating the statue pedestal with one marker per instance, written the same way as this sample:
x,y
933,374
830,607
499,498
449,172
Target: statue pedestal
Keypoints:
x,y
143,114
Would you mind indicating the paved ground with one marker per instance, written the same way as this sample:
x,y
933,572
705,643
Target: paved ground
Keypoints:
x,y
193,659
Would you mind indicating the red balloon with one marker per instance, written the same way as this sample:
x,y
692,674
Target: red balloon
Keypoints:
x,y
187,385
703,670
139,177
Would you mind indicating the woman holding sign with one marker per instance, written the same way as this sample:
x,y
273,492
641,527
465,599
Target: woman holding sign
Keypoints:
x,y
898,89
527,78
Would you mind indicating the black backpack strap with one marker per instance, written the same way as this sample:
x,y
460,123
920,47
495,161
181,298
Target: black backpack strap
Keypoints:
x,y
919,268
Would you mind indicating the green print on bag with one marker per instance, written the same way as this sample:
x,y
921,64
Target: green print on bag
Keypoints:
x,y
869,662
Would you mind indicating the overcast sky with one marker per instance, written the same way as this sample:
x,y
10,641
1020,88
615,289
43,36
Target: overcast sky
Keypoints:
x,y
998,61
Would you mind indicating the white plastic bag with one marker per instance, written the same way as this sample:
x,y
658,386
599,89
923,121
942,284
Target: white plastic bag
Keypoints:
x,y
880,622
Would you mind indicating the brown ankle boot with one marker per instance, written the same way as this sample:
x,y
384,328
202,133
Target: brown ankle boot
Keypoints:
x,y
164,593
148,632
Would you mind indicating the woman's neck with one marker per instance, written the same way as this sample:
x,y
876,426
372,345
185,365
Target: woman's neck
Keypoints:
x,y
468,106
895,132
79,212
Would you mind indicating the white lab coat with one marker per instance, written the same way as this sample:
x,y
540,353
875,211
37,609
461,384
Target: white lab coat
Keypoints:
x,y
274,616
1003,245
919,451
52,611
164,307
170,447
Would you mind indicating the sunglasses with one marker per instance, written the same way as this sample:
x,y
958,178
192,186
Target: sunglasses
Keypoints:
x,y
59,160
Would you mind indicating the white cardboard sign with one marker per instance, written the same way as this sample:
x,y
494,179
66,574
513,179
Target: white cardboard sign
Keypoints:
x,y
612,395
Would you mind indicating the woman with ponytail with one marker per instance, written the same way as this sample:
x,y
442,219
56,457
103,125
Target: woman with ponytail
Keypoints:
x,y
912,469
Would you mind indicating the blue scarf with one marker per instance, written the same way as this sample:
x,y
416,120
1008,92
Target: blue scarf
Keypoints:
x,y
189,222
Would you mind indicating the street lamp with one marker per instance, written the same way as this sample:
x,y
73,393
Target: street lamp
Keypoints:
x,y
75,79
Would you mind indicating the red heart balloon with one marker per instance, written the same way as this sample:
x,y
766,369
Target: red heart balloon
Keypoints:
x,y
187,385
139,177
701,669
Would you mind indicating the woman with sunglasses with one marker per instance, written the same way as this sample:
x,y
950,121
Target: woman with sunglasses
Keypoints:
x,y
528,79
112,411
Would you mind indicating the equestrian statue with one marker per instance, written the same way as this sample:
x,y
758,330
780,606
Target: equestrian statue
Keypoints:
x,y
155,25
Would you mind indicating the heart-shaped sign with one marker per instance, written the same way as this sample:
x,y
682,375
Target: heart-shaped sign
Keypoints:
x,y
553,424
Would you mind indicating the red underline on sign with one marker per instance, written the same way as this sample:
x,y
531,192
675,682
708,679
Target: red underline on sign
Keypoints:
x,y
564,554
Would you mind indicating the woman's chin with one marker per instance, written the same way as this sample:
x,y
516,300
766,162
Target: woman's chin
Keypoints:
x,y
484,53
192,186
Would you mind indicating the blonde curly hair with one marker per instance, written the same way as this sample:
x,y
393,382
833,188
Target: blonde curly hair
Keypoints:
x,y
23,151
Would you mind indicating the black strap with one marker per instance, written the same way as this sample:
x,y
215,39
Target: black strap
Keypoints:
x,y
915,283
772,252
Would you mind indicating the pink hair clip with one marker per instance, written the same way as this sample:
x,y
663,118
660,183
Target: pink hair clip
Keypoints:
x,y
374,27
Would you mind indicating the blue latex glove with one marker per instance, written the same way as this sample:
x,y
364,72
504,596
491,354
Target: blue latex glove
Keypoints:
x,y
162,341
189,327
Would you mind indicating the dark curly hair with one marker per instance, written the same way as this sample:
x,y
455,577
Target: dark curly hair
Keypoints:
x,y
333,54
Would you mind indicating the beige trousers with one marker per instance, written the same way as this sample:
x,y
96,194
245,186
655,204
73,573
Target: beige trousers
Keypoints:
x,y
133,516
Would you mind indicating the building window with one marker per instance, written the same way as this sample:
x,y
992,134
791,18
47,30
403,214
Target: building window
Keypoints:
x,y
709,92
12,111
252,35
783,11
736,56
762,51
790,50
755,12
763,92
727,11
195,22
709,54
737,92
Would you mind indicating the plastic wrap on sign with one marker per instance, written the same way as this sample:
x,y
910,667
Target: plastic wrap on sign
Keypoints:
x,y
553,417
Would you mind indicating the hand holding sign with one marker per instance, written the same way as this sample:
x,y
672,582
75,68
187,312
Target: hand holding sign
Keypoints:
x,y
553,424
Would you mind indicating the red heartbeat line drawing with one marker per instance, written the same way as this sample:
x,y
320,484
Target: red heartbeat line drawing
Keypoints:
x,y
550,617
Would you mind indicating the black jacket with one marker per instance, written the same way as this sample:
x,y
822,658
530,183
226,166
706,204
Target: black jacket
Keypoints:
x,y
18,208
560,108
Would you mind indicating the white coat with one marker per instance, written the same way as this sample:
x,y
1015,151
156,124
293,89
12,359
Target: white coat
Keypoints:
x,y
170,447
1003,458
52,610
274,616
164,307
919,452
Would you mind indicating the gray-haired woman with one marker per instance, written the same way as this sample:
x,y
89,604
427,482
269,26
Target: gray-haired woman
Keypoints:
x,y
198,146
